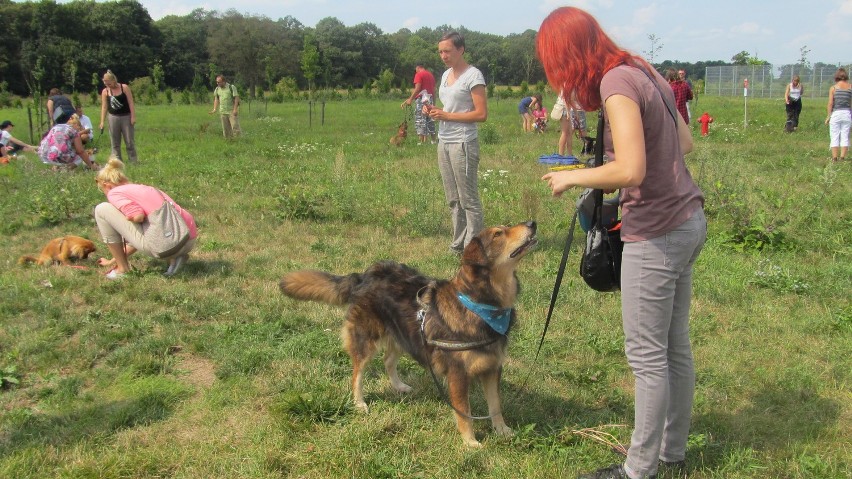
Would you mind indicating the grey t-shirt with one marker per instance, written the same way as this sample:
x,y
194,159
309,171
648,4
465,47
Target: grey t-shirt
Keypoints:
x,y
667,196
456,98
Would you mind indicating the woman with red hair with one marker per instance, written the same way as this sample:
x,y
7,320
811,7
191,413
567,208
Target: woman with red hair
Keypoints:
x,y
663,224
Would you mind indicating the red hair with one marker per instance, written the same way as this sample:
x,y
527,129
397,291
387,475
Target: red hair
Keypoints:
x,y
575,53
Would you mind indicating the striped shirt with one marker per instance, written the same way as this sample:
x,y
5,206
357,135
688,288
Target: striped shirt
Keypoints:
x,y
842,99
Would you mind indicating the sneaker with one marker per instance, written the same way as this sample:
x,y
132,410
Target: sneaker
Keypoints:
x,y
176,265
113,274
615,471
672,470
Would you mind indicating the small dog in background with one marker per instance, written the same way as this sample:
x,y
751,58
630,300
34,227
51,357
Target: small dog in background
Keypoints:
x,y
62,250
588,145
401,133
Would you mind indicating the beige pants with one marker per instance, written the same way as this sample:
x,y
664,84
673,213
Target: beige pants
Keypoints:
x,y
231,125
115,227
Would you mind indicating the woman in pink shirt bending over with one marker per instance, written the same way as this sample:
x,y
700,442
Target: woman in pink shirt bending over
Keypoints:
x,y
121,219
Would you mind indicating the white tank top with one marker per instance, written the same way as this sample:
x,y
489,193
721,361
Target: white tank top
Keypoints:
x,y
795,92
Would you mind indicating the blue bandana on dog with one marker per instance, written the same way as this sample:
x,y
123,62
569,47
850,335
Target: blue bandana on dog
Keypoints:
x,y
497,318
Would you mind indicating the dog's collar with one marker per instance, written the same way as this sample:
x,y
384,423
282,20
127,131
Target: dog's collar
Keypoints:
x,y
497,318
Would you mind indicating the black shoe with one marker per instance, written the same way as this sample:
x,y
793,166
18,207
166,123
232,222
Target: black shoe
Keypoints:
x,y
672,470
614,471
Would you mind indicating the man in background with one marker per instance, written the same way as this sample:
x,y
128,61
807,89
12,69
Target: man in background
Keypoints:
x,y
682,75
226,100
88,133
423,94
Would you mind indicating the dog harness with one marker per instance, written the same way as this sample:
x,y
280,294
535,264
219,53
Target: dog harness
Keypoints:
x,y
448,344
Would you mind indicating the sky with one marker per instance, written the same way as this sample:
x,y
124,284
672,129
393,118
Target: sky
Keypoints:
x,y
686,31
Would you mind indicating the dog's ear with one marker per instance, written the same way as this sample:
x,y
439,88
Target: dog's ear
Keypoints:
x,y
474,253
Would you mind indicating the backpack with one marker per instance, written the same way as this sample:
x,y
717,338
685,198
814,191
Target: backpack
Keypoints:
x,y
233,90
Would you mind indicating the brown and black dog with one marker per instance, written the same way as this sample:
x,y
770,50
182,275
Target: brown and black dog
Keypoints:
x,y
401,133
62,250
389,303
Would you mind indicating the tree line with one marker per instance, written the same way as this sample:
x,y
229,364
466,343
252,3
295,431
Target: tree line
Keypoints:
x,y
70,45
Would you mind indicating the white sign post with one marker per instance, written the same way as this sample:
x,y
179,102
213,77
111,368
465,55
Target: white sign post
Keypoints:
x,y
745,103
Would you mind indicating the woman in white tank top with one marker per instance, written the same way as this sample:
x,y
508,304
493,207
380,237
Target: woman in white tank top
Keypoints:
x,y
793,100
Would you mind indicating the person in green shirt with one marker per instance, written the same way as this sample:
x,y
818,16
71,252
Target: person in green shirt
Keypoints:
x,y
226,100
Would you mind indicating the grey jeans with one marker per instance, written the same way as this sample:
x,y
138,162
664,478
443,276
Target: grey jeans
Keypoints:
x,y
656,290
120,127
459,166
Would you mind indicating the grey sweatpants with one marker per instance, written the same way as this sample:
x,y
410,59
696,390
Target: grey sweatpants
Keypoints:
x,y
120,127
656,290
459,166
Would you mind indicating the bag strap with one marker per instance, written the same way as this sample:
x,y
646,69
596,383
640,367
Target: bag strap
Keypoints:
x,y
597,215
669,106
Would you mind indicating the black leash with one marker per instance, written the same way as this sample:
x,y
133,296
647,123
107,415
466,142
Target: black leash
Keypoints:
x,y
559,273
599,147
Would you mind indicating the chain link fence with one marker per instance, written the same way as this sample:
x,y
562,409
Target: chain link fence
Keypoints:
x,y
766,81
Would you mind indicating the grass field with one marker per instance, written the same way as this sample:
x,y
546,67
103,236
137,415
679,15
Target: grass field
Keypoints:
x,y
214,374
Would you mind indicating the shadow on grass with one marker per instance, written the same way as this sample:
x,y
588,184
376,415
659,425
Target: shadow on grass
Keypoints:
x,y
522,405
208,268
83,424
779,416
193,268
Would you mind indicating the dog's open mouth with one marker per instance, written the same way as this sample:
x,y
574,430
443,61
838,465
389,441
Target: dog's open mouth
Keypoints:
x,y
528,244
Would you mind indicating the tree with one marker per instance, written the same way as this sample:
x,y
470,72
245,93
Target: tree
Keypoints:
x,y
656,48
741,58
310,61
803,58
157,76
184,47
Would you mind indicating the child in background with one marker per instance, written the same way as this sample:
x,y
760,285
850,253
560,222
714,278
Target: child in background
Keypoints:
x,y
539,118
705,121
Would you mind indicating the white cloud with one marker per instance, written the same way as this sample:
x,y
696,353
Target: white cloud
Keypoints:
x,y
646,15
747,28
411,23
590,6
845,7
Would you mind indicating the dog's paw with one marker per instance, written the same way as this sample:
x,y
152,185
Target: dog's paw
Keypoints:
x,y
472,442
402,388
503,430
362,407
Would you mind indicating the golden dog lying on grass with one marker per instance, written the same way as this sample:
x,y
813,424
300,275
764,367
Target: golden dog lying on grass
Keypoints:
x,y
62,250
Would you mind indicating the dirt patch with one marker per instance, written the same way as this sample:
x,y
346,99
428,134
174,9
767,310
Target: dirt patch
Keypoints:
x,y
198,371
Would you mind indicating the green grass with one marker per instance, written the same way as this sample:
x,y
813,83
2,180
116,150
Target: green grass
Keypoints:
x,y
213,373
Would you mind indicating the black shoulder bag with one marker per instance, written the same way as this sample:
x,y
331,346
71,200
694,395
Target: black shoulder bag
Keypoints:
x,y
600,266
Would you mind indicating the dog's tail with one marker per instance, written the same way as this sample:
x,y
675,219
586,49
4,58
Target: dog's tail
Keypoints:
x,y
27,259
320,286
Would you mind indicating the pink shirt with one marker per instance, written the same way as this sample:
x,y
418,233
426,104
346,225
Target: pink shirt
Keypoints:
x,y
133,199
